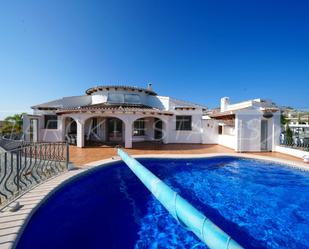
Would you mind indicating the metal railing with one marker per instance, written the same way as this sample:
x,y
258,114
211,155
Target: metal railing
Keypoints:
x,y
13,136
28,165
9,145
295,143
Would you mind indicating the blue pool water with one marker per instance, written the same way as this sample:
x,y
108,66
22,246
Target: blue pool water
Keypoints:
x,y
260,204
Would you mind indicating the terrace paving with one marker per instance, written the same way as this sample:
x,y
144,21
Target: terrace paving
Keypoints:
x,y
82,156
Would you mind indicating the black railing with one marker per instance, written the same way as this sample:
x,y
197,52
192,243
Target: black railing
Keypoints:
x,y
13,136
9,145
28,165
295,143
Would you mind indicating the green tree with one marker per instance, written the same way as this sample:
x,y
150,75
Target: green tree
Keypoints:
x,y
13,124
289,135
284,120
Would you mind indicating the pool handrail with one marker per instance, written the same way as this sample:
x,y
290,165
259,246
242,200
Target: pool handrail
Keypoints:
x,y
179,208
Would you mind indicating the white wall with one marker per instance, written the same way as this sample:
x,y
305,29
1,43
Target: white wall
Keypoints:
x,y
228,130
211,135
193,136
248,130
210,131
51,135
196,135
276,129
227,141
47,135
291,151
98,98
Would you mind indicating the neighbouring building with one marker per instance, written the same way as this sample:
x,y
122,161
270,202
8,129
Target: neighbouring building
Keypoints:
x,y
298,122
295,117
127,115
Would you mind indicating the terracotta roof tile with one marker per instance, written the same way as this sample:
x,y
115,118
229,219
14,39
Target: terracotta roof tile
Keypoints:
x,y
117,107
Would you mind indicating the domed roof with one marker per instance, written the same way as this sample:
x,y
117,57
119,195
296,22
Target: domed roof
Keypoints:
x,y
92,90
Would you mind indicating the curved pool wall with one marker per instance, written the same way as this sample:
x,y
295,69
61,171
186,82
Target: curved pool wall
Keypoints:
x,y
262,204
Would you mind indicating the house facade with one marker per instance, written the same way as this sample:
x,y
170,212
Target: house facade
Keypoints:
x,y
126,115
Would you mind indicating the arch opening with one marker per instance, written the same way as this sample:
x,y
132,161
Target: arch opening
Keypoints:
x,y
104,131
70,130
148,129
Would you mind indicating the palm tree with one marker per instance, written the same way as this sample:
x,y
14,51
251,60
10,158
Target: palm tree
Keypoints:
x,y
13,124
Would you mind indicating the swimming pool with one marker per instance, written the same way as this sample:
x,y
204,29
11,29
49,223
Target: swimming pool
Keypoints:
x,y
260,204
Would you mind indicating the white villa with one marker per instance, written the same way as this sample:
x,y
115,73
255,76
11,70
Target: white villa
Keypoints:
x,y
126,115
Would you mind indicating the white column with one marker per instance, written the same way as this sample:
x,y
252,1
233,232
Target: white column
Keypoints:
x,y
80,133
238,134
166,129
26,127
128,134
35,130
276,131
61,127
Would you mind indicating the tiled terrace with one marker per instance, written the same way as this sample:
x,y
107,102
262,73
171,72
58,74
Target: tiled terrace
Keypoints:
x,y
80,157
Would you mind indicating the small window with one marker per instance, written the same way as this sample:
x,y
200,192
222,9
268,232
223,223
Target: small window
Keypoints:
x,y
220,129
184,123
139,127
51,122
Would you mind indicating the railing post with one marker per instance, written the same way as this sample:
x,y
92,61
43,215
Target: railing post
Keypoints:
x,y
67,154
18,170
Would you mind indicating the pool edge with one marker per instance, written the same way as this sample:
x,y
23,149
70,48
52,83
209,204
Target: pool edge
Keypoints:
x,y
49,187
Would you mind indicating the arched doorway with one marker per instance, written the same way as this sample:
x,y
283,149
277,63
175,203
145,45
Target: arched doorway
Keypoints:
x,y
70,131
148,129
115,130
104,130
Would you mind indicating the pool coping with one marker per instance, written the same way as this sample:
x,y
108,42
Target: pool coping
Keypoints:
x,y
13,223
294,164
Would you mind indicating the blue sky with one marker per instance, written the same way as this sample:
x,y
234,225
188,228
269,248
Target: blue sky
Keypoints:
x,y
192,50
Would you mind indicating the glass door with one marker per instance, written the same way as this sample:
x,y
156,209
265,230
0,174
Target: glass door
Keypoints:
x,y
114,130
264,135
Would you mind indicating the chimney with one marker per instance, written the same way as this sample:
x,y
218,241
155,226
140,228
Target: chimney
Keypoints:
x,y
225,101
149,87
